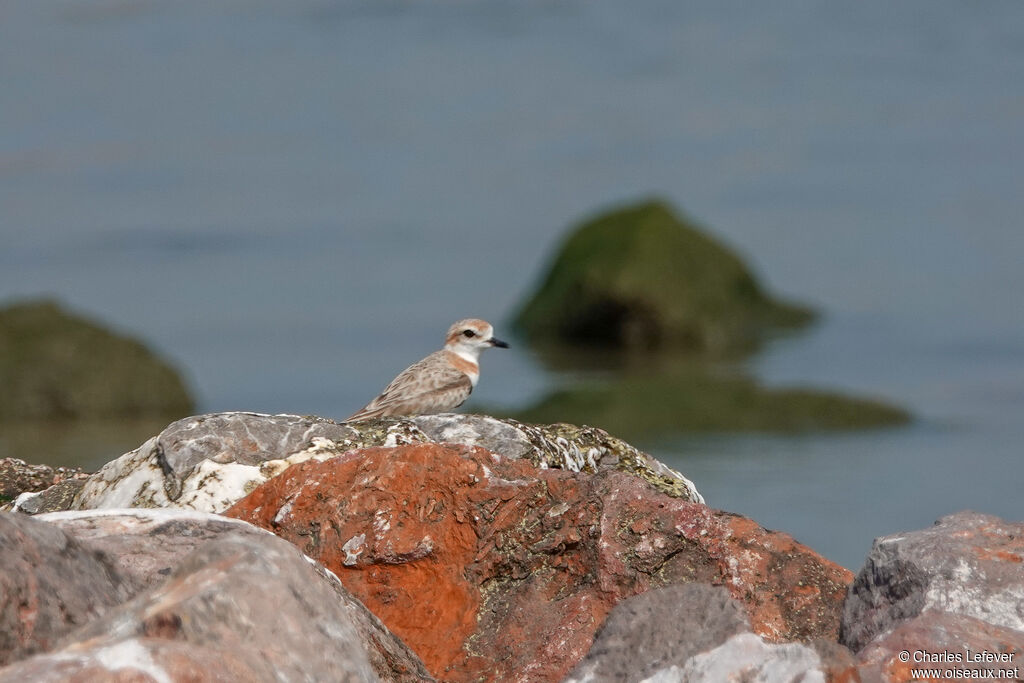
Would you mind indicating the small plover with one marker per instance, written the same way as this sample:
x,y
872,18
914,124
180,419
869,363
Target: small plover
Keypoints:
x,y
440,382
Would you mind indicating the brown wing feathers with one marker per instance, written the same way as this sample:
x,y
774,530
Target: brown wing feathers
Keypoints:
x,y
430,385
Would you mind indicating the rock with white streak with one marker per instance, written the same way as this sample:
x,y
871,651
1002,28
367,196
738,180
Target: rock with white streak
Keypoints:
x,y
133,660
658,629
147,547
50,584
248,607
698,633
209,462
968,564
746,657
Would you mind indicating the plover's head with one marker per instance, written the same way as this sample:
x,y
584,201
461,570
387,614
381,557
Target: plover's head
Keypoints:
x,y
471,336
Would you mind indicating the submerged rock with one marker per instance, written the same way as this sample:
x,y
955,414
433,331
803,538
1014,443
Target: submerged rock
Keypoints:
x,y
209,462
493,568
700,400
643,277
645,299
55,364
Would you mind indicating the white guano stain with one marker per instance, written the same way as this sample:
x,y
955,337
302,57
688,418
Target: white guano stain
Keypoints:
x,y
130,654
353,549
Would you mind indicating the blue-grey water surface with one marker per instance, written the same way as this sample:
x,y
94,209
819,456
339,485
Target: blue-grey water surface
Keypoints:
x,y
293,200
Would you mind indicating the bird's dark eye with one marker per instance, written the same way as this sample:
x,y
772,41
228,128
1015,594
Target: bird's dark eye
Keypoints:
x,y
469,333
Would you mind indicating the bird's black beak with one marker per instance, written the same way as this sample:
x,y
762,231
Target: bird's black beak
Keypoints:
x,y
497,342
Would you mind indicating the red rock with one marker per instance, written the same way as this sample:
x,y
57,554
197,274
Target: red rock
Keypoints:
x,y
934,636
492,569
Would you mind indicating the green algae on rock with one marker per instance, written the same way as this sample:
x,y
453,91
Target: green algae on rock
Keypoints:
x,y
641,276
55,364
702,401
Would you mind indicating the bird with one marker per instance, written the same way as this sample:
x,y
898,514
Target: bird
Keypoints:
x,y
440,382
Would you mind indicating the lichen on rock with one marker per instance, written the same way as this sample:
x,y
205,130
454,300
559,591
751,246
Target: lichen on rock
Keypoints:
x,y
559,446
208,462
581,449
18,476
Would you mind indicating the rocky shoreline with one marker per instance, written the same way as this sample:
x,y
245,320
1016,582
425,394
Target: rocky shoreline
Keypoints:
x,y
241,546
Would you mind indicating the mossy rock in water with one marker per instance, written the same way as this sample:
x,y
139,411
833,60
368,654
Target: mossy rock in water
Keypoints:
x,y
54,364
704,401
643,277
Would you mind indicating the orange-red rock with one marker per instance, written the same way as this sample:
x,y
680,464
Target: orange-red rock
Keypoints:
x,y
492,569
943,641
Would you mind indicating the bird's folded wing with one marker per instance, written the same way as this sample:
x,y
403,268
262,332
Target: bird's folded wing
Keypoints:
x,y
424,387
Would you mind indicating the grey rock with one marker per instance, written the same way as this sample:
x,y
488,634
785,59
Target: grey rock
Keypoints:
x,y
559,446
203,463
746,657
243,438
209,462
50,584
659,629
697,632
968,564
248,606
135,660
248,594
148,546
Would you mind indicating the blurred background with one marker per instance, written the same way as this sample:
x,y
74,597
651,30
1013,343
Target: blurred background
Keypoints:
x,y
292,201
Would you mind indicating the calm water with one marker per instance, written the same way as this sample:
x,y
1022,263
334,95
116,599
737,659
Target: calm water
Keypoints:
x,y
293,200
